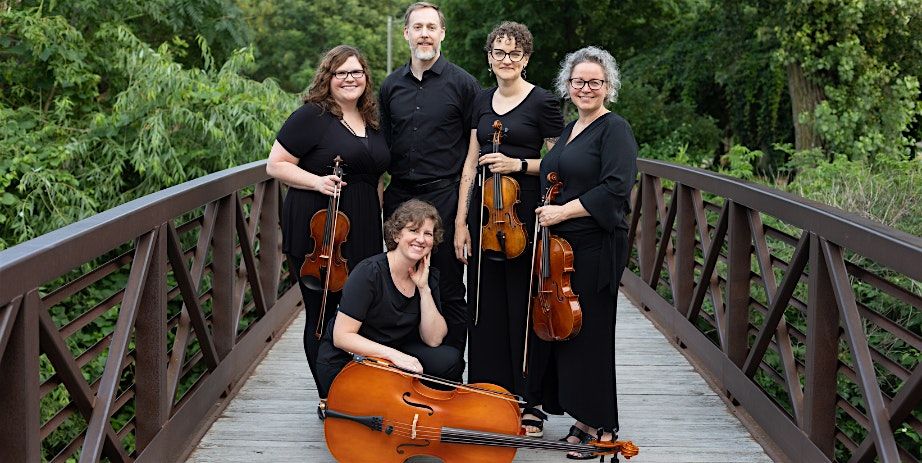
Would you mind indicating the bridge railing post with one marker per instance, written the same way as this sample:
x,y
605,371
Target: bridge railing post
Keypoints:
x,y
821,356
739,265
20,436
224,320
151,391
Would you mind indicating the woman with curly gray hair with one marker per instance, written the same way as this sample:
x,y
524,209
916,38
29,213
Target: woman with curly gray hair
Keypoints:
x,y
596,159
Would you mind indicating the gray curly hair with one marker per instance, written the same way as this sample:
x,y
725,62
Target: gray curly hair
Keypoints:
x,y
590,54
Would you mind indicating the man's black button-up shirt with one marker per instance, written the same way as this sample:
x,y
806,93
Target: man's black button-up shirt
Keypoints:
x,y
427,123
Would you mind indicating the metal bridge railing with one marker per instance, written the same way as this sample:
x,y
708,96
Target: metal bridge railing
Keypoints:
x,y
808,317
119,334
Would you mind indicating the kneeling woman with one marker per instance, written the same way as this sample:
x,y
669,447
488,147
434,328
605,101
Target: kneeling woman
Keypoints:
x,y
390,307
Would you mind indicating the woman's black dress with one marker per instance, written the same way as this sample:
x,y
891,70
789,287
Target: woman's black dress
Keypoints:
x,y
598,167
316,137
388,317
496,343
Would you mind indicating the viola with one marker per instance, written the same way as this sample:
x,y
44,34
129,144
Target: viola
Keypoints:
x,y
555,308
378,413
324,268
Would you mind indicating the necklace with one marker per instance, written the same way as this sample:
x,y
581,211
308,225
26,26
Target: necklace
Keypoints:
x,y
350,128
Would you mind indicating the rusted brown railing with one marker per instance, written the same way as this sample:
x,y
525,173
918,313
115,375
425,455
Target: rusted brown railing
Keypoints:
x,y
784,302
189,280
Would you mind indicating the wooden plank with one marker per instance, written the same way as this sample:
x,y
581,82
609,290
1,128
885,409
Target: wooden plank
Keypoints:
x,y
665,407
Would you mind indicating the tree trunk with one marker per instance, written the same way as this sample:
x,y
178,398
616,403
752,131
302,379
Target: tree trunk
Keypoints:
x,y
805,96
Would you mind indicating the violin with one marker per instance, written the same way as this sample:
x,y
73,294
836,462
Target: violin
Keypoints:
x,y
503,234
324,268
378,413
554,306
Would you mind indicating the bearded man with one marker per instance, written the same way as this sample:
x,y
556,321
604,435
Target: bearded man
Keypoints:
x,y
426,119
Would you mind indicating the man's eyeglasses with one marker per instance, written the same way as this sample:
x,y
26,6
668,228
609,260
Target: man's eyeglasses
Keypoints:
x,y
514,55
594,84
356,74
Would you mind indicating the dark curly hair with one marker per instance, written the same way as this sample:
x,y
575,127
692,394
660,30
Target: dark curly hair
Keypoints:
x,y
319,90
513,30
412,212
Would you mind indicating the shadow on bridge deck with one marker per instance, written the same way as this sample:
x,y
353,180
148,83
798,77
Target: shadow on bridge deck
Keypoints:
x,y
665,407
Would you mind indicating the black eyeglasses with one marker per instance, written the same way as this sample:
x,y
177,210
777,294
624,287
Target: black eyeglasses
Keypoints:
x,y
578,84
514,55
356,74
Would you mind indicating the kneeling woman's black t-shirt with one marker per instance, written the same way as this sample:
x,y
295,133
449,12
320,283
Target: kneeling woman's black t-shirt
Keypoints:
x,y
371,297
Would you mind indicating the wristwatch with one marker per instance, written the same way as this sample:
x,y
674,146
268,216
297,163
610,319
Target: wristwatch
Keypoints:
x,y
524,166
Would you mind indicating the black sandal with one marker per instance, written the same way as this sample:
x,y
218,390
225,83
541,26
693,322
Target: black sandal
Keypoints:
x,y
322,409
585,438
539,423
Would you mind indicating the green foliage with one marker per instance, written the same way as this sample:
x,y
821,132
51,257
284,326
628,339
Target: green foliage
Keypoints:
x,y
72,150
865,56
291,36
666,128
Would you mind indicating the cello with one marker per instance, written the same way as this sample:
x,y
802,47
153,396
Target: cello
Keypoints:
x,y
378,413
503,234
554,306
324,267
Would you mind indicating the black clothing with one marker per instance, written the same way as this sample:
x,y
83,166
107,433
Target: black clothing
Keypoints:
x,y
451,270
388,317
598,167
497,341
316,137
427,124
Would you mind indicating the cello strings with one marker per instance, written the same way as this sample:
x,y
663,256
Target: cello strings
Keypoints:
x,y
508,396
485,438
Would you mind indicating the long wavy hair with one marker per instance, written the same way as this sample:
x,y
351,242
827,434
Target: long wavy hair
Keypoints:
x,y
319,90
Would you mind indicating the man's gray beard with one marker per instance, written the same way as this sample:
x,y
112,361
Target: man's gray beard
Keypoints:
x,y
424,56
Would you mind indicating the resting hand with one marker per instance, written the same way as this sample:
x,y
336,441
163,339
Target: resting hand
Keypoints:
x,y
328,184
420,274
462,243
407,362
500,163
550,215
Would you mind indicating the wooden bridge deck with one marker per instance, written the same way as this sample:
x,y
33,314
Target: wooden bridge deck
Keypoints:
x,y
666,408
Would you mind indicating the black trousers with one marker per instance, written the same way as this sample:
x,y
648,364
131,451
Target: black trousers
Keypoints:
x,y
581,376
451,270
312,302
442,361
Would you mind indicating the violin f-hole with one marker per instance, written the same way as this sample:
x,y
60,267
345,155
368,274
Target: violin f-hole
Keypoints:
x,y
417,405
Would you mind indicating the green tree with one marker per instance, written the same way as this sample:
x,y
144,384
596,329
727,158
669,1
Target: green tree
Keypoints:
x,y
291,36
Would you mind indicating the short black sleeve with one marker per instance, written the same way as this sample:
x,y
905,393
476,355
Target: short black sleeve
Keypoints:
x,y
618,153
550,123
303,130
361,289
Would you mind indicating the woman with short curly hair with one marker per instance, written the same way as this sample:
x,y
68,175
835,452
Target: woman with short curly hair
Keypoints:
x,y
391,307
531,119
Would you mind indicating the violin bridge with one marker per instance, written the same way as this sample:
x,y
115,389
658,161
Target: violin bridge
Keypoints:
x,y
415,420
